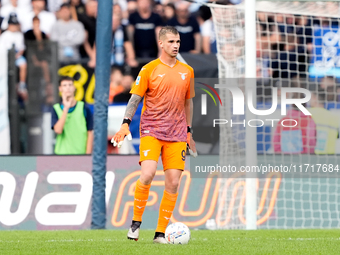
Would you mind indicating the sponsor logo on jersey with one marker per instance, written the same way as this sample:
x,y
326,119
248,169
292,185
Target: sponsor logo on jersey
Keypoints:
x,y
138,80
183,75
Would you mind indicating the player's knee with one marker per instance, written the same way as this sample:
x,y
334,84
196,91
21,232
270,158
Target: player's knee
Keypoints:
x,y
172,185
146,178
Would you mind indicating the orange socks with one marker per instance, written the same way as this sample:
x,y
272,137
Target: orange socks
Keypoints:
x,y
141,197
165,210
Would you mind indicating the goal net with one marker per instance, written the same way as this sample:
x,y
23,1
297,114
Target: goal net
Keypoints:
x,y
297,46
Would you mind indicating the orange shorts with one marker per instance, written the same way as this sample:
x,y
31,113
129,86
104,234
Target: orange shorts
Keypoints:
x,y
173,153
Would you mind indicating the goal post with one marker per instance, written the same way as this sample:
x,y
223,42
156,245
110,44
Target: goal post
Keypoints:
x,y
250,74
281,45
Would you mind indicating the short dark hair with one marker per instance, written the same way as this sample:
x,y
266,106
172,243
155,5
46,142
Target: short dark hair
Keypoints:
x,y
65,78
204,12
167,29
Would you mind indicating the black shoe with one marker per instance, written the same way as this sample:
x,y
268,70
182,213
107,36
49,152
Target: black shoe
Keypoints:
x,y
159,238
133,233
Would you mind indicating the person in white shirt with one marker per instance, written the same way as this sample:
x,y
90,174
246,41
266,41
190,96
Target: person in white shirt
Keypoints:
x,y
13,36
12,7
47,19
207,30
23,4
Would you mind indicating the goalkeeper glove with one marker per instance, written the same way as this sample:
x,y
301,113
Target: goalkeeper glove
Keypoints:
x,y
118,139
191,144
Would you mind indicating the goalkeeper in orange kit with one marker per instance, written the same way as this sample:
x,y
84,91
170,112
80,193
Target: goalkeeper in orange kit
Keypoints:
x,y
165,127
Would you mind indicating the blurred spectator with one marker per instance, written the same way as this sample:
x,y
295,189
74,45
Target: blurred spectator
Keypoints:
x,y
263,71
279,84
332,93
291,61
115,83
262,59
125,14
169,12
207,30
188,29
297,134
326,22
268,38
69,34
299,28
39,57
286,23
12,7
122,11
89,20
72,121
54,5
327,124
304,30
77,7
143,29
35,34
328,83
24,4
47,19
131,7
121,46
159,9
125,95
267,29
13,36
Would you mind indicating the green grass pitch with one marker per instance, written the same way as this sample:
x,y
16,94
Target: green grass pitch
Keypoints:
x,y
202,242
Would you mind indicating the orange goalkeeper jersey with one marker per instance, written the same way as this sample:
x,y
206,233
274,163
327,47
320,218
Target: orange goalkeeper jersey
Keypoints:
x,y
165,90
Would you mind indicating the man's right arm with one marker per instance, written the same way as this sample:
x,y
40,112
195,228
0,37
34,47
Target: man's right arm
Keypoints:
x,y
59,126
138,90
132,106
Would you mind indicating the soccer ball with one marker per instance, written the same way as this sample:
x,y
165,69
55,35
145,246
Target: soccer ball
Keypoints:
x,y
177,233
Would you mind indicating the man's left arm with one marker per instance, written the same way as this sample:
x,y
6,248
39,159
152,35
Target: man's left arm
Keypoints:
x,y
189,111
190,141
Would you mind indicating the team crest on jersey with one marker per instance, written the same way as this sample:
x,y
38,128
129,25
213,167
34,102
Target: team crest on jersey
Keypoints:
x,y
137,80
183,75
146,152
